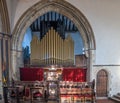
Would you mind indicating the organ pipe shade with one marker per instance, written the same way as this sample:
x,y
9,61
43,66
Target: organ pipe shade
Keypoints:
x,y
52,49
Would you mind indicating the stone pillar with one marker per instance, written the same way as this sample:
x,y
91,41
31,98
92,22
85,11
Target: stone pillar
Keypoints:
x,y
92,62
1,85
17,62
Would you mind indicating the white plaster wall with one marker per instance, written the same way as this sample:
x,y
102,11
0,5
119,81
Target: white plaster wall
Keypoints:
x,y
22,6
104,19
113,75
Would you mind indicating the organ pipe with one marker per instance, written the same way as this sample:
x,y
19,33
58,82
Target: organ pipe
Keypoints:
x,y
49,47
59,49
47,44
53,46
52,49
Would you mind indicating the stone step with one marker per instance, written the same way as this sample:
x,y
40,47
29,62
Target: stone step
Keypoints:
x,y
117,96
115,99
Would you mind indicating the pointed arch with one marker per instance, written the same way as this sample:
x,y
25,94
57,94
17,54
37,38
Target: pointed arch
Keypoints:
x,y
59,6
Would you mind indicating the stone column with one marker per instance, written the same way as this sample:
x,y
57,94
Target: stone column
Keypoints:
x,y
92,62
1,85
17,62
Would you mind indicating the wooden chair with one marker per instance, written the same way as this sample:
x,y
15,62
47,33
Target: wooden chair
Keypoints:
x,y
77,99
37,92
88,94
81,95
27,93
21,91
62,98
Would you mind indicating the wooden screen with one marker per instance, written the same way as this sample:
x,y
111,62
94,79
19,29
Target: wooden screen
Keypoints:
x,y
102,81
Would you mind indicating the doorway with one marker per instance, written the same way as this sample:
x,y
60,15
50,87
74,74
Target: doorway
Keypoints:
x,y
102,83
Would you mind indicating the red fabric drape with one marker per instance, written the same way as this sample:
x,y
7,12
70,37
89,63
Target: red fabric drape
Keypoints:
x,y
68,74
31,74
75,74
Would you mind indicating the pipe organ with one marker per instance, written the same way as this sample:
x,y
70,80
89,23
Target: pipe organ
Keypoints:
x,y
52,49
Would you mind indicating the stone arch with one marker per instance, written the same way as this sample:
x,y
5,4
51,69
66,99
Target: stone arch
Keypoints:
x,y
59,6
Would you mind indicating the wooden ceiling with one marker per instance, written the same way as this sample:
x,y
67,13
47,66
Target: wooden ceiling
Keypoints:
x,y
52,19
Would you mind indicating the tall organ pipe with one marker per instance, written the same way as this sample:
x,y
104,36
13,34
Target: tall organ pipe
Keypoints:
x,y
52,50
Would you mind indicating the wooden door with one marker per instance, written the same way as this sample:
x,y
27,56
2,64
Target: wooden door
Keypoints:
x,y
101,83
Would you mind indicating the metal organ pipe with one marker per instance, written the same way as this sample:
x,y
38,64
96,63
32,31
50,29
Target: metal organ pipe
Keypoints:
x,y
52,49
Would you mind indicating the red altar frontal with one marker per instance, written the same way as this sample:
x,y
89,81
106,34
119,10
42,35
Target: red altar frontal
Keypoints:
x,y
64,74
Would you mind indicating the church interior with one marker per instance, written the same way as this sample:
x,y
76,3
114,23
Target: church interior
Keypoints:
x,y
59,51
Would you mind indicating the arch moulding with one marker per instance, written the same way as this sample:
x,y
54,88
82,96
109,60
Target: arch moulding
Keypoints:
x,y
42,7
